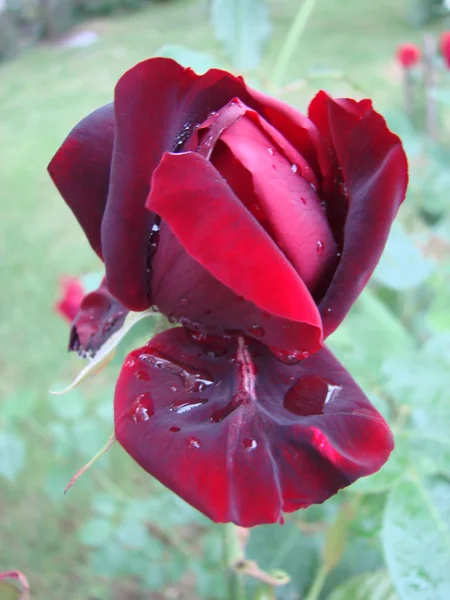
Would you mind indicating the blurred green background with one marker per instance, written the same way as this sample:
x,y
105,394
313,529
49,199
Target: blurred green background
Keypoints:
x,y
117,534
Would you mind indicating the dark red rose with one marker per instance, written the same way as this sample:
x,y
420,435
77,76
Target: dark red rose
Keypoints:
x,y
71,294
255,228
408,55
445,47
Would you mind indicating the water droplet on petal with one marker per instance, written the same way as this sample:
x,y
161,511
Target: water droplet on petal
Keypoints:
x,y
193,443
313,187
173,388
303,200
294,168
142,408
256,330
290,357
142,375
249,443
194,380
173,319
320,246
327,311
130,363
184,406
154,308
308,395
271,151
184,302
174,429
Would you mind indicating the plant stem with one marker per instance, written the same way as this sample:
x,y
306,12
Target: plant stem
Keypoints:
x,y
232,554
292,39
318,583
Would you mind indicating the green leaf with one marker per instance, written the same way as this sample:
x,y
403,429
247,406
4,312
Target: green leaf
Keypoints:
x,y
198,61
368,335
132,534
12,454
69,408
368,586
96,532
8,591
285,547
394,269
416,538
242,26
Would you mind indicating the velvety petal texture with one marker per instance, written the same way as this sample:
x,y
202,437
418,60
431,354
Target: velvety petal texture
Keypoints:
x,y
98,317
255,228
80,170
240,435
372,180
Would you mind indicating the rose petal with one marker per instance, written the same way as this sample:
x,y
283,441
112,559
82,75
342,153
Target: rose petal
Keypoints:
x,y
240,435
157,104
190,196
80,170
288,201
190,294
374,172
99,316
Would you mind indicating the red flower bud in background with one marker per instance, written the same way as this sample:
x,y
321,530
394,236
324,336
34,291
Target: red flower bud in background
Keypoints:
x,y
72,293
445,47
408,55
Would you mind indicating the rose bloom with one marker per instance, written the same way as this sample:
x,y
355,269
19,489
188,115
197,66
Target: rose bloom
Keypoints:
x,y
408,55
255,228
71,295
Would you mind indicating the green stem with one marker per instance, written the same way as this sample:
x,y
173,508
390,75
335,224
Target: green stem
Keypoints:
x,y
233,553
318,583
292,39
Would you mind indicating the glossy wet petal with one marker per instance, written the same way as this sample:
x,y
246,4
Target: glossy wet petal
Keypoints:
x,y
80,170
190,196
240,435
373,175
188,293
157,105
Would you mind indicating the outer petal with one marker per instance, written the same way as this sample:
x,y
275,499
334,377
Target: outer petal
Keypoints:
x,y
190,196
157,104
374,174
80,170
190,294
241,436
99,316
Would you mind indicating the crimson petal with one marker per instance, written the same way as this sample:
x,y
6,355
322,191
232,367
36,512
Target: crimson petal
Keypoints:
x,y
80,170
157,105
240,435
188,293
99,316
374,174
189,195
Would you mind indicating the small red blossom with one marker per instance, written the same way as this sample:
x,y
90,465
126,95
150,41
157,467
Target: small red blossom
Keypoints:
x,y
72,293
445,47
408,55
255,228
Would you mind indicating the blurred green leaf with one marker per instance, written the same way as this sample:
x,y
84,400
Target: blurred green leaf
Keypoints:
x,y
370,334
285,547
242,26
198,61
368,586
416,538
210,583
402,266
8,591
12,454
96,532
132,534
18,406
71,407
105,505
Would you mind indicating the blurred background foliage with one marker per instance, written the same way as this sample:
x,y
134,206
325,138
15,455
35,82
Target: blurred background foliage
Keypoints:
x,y
119,535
